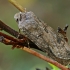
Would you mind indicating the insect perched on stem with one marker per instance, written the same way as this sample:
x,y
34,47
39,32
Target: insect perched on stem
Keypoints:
x,y
42,34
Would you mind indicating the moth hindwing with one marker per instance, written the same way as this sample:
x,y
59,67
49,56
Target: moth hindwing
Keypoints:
x,y
42,34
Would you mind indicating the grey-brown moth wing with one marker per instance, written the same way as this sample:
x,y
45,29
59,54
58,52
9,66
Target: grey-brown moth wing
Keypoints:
x,y
42,35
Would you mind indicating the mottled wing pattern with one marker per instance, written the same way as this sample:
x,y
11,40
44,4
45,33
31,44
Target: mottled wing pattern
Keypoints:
x,y
42,34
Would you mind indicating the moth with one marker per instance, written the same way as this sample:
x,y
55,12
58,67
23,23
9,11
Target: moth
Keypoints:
x,y
42,34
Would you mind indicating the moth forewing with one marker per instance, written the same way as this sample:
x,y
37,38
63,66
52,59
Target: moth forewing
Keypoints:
x,y
42,35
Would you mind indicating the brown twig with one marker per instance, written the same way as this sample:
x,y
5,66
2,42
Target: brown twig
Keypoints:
x,y
44,58
8,40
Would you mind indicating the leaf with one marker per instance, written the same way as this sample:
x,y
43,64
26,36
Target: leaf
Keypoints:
x,y
54,67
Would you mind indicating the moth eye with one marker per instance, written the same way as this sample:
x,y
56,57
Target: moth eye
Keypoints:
x,y
17,20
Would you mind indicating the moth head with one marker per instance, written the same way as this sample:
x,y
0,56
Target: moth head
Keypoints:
x,y
24,19
18,17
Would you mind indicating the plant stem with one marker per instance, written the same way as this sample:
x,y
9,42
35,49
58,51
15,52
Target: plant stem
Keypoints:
x,y
18,6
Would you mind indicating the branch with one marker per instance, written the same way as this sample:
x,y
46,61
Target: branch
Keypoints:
x,y
44,58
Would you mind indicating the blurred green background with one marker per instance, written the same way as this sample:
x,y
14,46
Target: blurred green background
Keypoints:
x,y
54,12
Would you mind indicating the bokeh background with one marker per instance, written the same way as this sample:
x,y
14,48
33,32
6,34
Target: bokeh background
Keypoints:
x,y
54,12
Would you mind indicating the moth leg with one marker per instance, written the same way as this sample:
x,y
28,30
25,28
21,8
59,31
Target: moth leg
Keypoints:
x,y
23,40
28,44
18,34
